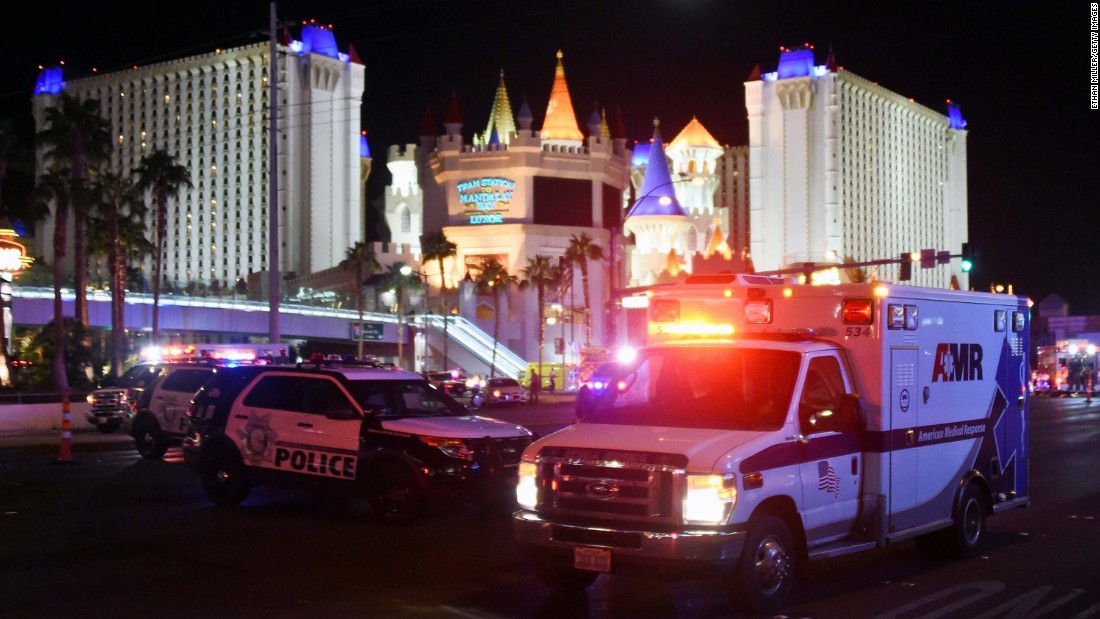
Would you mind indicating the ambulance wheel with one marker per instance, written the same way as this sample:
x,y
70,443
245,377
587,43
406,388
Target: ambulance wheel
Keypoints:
x,y
394,493
149,440
224,479
766,571
968,532
564,578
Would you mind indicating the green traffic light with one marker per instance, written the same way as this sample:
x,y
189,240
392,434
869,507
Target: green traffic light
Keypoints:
x,y
966,265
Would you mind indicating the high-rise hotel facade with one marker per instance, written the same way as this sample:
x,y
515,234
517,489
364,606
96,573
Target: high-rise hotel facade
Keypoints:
x,y
211,112
842,169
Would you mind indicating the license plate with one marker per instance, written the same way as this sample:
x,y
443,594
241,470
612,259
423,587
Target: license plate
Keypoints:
x,y
592,559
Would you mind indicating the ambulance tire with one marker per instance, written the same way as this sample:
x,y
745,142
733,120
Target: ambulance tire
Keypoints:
x,y
968,532
224,479
394,493
564,577
149,440
765,574
964,537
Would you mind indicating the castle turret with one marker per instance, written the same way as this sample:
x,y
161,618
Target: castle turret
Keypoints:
x,y
560,124
501,125
656,218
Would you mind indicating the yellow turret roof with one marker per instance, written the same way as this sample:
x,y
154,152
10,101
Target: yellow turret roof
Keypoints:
x,y
694,134
561,121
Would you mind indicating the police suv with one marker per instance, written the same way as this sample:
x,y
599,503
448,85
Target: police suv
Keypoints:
x,y
389,435
149,402
768,424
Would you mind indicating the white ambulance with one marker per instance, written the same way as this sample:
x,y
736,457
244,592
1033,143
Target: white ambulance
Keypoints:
x,y
768,424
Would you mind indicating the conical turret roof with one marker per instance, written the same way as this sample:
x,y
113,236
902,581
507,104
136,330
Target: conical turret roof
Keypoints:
x,y
657,195
694,134
501,120
561,121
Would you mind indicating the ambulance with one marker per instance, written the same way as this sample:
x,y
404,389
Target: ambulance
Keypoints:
x,y
766,424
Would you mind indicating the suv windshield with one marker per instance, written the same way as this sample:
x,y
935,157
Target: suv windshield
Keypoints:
x,y
703,387
404,398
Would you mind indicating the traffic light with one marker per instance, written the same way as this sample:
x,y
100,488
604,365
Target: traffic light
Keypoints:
x,y
967,258
905,273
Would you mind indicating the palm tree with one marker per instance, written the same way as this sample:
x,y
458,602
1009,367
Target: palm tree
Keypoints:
x,y
436,247
541,274
119,214
495,279
164,178
398,279
78,138
53,188
360,259
582,249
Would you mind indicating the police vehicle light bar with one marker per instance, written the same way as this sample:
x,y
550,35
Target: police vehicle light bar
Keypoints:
x,y
858,311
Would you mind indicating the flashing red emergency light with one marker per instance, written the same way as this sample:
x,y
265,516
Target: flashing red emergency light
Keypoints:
x,y
858,311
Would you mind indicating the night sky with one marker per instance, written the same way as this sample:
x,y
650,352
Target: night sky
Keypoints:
x,y
1019,72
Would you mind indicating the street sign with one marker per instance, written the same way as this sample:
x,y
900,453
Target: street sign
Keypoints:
x,y
368,332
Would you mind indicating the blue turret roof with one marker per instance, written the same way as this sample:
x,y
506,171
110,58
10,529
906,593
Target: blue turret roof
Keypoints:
x,y
657,195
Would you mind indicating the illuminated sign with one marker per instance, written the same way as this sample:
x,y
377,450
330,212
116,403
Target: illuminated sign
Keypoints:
x,y
486,199
13,256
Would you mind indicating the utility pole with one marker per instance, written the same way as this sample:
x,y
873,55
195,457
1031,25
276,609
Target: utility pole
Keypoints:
x,y
273,275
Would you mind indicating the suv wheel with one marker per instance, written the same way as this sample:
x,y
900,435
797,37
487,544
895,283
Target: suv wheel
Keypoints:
x,y
394,493
149,440
224,479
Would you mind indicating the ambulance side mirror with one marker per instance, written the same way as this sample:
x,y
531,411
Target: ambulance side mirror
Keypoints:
x,y
841,418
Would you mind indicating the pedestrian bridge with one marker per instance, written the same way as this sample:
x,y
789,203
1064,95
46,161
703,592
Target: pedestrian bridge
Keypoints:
x,y
466,345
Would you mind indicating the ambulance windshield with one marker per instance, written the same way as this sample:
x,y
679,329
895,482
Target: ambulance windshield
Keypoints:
x,y
703,387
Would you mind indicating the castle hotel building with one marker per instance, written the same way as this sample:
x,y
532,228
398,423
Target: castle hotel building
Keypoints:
x,y
211,113
842,169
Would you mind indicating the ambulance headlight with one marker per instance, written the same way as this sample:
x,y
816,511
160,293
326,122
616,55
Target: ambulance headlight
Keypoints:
x,y
453,447
527,489
709,498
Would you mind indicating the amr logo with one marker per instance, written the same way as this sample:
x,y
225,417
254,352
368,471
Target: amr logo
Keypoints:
x,y
957,362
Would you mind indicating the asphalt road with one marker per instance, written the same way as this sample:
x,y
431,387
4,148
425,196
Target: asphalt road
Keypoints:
x,y
112,535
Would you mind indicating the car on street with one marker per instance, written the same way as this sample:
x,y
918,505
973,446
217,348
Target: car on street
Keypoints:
x,y
388,435
449,382
499,391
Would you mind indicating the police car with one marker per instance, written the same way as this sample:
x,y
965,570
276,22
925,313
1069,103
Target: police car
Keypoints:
x,y
389,435
149,402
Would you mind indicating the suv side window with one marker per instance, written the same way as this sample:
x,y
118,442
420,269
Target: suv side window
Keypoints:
x,y
277,392
321,396
416,399
186,380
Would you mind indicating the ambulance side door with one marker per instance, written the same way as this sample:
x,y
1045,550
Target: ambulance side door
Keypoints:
x,y
173,397
831,466
297,423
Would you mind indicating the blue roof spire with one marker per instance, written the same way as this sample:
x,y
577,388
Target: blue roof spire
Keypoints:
x,y
657,195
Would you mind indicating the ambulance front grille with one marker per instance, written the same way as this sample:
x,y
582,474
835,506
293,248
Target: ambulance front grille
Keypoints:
x,y
616,485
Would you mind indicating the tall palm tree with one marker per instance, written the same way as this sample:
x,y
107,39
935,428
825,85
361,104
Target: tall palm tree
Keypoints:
x,y
77,137
541,274
436,247
160,175
495,279
399,279
119,214
360,259
582,249
53,188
